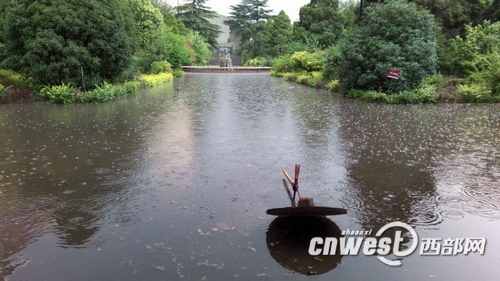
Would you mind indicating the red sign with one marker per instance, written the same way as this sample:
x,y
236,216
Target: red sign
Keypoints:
x,y
393,73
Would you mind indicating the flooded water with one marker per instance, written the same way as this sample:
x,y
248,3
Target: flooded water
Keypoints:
x,y
175,184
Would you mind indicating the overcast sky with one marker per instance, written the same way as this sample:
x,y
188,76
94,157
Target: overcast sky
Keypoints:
x,y
291,7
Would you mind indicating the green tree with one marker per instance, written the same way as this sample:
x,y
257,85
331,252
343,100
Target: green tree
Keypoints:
x,y
472,54
396,34
321,19
148,34
248,20
51,40
195,15
453,15
277,33
163,6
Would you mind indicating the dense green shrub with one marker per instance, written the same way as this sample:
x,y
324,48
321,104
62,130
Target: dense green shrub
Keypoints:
x,y
161,66
258,61
395,34
332,62
308,61
150,80
51,41
333,86
473,53
281,64
202,52
178,73
473,92
315,78
178,54
422,94
61,94
106,92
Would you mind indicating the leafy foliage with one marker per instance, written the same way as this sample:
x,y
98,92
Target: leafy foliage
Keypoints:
x,y
277,34
321,19
332,60
472,53
258,61
248,20
160,66
62,94
308,61
391,35
150,80
50,40
453,15
195,15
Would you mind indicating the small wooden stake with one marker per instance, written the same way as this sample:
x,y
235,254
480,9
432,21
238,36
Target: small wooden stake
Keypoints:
x,y
289,179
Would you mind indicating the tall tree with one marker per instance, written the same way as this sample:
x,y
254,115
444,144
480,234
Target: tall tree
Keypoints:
x,y
277,34
453,15
248,20
195,15
323,20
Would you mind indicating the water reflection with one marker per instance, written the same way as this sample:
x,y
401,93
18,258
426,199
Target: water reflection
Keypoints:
x,y
288,240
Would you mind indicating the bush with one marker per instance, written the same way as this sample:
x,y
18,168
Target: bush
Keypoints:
x,y
281,64
63,33
161,66
178,73
17,80
333,86
302,78
471,54
315,78
258,61
308,61
437,80
423,94
150,80
106,92
395,34
332,62
61,94
475,93
291,76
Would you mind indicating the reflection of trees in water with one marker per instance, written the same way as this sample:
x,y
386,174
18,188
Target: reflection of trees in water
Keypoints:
x,y
387,166
69,167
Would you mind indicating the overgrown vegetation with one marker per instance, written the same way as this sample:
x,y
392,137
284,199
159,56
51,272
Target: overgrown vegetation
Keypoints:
x,y
434,65
48,47
445,50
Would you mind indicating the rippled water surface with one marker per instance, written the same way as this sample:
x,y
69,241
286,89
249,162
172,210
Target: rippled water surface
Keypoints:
x,y
174,184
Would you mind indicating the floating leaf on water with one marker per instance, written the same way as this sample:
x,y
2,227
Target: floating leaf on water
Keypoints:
x,y
222,226
162,268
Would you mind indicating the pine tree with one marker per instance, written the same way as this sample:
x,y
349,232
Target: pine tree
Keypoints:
x,y
195,15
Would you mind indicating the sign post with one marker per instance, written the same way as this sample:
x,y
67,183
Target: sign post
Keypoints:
x,y
393,73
